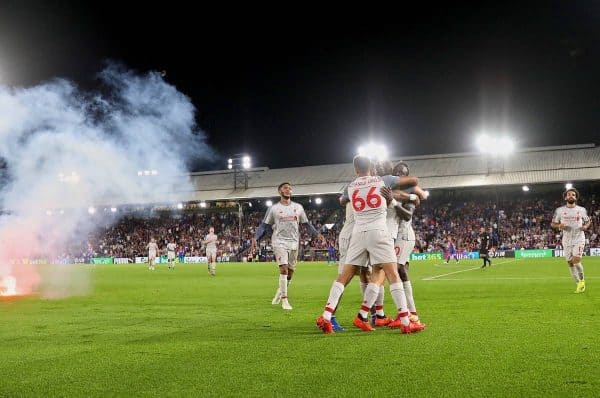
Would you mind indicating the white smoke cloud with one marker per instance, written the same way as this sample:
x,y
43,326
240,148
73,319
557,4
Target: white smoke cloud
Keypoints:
x,y
64,149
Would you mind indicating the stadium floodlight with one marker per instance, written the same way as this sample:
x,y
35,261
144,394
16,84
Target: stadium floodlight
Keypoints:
x,y
91,210
113,209
154,172
250,204
496,146
140,173
180,206
506,145
373,151
239,164
318,201
146,172
246,162
203,204
62,212
48,212
568,186
525,188
269,203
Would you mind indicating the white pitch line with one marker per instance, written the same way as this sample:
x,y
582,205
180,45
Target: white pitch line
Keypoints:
x,y
431,278
510,279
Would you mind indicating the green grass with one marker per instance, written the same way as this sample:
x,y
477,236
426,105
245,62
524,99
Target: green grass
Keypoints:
x,y
516,329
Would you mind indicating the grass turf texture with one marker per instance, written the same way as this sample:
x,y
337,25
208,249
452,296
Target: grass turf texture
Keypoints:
x,y
516,329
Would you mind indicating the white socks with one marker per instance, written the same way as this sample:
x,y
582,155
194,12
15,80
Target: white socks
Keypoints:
x,y
283,285
334,297
410,301
397,293
379,301
371,293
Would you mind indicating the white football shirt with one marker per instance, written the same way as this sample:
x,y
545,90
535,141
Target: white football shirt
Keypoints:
x,y
285,220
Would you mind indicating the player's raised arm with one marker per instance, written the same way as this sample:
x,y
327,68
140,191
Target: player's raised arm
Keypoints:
x,y
399,182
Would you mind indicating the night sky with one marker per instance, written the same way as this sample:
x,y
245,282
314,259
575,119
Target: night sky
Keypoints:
x,y
306,86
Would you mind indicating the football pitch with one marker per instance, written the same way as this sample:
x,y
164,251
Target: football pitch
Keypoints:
x,y
515,329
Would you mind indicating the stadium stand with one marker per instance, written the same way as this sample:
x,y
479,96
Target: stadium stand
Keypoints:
x,y
468,191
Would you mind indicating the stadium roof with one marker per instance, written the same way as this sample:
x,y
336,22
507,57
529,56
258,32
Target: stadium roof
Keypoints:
x,y
526,166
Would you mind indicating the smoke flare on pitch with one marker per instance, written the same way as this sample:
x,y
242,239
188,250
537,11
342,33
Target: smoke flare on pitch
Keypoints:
x,y
63,150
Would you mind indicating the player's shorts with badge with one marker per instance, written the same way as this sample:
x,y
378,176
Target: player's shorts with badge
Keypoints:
x,y
171,255
285,256
574,250
211,252
403,249
374,246
151,255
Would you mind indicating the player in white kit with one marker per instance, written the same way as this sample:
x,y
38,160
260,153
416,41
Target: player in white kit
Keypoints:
x,y
370,241
285,218
573,220
171,246
343,244
405,242
152,251
211,250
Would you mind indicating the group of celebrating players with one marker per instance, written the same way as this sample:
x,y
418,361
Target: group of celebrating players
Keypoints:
x,y
375,243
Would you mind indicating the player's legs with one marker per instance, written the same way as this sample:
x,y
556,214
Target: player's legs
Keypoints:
x,y
380,250
403,250
211,257
335,294
356,256
286,259
408,292
283,285
577,267
337,289
399,296
568,250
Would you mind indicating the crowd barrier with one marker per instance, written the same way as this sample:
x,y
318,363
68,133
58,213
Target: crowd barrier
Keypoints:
x,y
312,255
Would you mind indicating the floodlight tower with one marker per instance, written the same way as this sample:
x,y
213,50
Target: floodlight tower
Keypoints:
x,y
239,163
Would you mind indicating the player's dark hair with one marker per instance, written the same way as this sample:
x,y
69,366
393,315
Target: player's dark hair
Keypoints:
x,y
282,184
362,164
385,167
401,169
571,190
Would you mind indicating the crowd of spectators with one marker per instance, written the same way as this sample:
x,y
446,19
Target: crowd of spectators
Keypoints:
x,y
515,224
